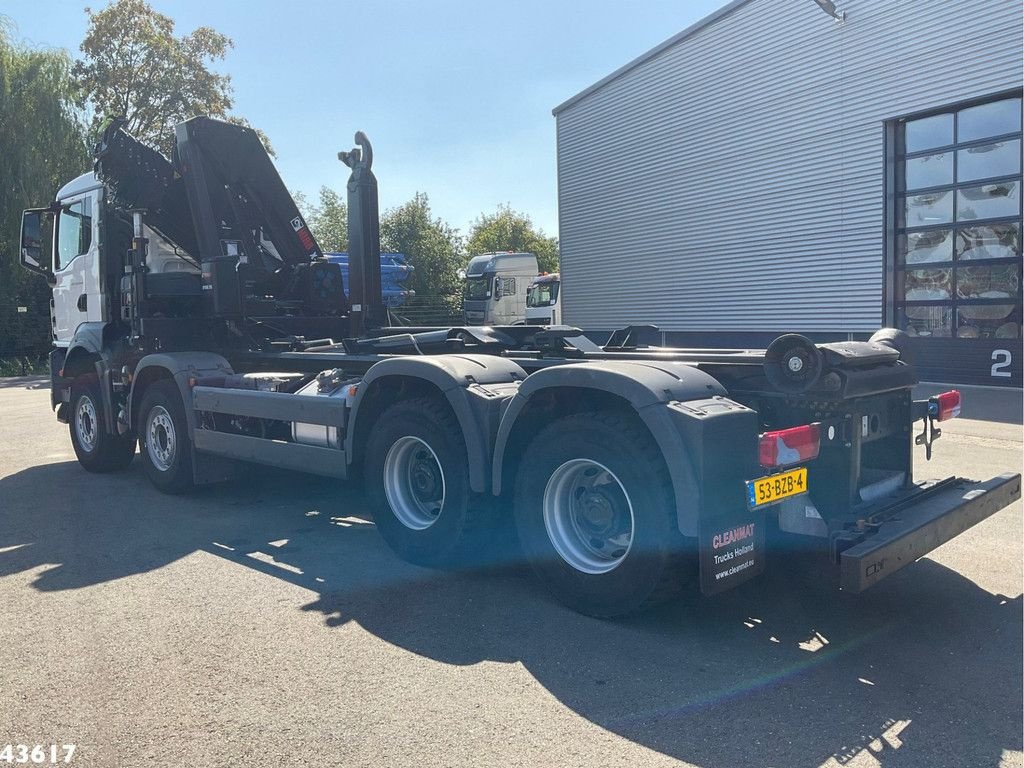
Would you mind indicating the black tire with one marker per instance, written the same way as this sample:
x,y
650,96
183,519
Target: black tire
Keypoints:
x,y
408,517
168,461
628,478
97,450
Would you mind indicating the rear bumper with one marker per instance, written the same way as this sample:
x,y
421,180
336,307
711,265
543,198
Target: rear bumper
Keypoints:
x,y
932,518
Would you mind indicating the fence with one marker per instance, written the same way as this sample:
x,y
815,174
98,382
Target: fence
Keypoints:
x,y
24,335
429,310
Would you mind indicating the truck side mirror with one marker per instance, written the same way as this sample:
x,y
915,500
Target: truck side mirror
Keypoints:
x,y
35,253
504,286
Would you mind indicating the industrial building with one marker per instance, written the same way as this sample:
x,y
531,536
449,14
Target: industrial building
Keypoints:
x,y
794,165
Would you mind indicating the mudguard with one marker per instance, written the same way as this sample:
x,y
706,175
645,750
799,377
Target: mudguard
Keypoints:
x,y
88,337
88,351
475,386
85,345
658,392
182,366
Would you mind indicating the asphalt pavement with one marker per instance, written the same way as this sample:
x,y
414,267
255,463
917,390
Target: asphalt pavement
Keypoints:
x,y
264,623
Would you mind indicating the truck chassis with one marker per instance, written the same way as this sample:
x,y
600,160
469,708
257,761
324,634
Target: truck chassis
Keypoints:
x,y
629,470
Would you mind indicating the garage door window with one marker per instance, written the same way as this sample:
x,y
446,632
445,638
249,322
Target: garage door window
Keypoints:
x,y
958,222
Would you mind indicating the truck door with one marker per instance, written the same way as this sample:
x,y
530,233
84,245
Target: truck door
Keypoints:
x,y
506,309
77,294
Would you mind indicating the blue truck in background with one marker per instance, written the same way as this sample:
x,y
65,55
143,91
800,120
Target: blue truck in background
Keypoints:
x,y
394,271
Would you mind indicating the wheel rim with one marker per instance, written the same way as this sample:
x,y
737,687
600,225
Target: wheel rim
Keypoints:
x,y
86,423
161,441
414,483
588,516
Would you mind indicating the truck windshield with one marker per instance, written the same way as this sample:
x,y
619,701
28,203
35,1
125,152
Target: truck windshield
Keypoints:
x,y
478,287
542,294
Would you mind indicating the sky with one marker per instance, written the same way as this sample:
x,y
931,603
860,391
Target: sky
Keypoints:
x,y
455,96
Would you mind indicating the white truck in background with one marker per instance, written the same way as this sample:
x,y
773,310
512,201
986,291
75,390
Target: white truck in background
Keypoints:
x,y
496,285
544,300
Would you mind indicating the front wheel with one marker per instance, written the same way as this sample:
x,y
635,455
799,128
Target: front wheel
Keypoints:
x,y
96,449
596,515
163,438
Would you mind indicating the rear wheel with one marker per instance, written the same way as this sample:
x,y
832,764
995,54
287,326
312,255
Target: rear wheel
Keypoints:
x,y
97,450
417,482
596,515
163,438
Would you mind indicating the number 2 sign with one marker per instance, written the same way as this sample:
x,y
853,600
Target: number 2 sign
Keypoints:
x,y
1001,363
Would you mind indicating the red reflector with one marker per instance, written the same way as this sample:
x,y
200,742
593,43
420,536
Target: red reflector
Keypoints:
x,y
949,405
789,446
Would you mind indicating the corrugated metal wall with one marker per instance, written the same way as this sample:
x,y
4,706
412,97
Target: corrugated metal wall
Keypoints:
x,y
734,181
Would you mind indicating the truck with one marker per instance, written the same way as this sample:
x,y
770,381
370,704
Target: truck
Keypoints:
x,y
196,320
394,271
544,300
495,288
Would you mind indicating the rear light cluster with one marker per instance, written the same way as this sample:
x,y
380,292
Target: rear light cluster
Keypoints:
x,y
789,446
945,406
796,445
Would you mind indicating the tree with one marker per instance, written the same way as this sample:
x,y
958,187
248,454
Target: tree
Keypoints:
x,y
133,66
329,221
509,230
435,250
43,141
429,244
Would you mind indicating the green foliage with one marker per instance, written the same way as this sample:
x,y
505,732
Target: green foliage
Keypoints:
x,y
133,66
24,366
429,244
328,220
435,250
509,230
44,146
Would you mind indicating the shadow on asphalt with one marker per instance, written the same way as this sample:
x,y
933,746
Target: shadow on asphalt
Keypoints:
x,y
924,669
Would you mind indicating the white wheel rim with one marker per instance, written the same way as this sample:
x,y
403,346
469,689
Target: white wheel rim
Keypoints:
x,y
588,516
86,424
414,483
161,441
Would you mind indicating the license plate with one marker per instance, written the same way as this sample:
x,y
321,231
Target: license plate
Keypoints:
x,y
768,490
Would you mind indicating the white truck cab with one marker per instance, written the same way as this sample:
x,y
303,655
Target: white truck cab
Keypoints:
x,y
64,242
496,285
544,300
